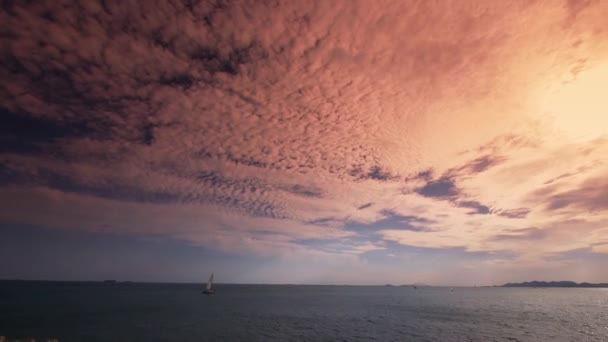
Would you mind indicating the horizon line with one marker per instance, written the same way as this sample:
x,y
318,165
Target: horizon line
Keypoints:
x,y
227,283
281,284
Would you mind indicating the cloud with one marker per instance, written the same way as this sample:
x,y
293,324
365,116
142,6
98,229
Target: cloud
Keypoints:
x,y
389,220
591,195
478,207
24,134
278,129
521,234
443,187
514,213
365,206
374,173
483,163
303,190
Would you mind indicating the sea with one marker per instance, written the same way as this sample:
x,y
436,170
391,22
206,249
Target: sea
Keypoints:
x,y
95,311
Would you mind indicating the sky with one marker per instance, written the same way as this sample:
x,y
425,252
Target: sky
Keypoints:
x,y
313,142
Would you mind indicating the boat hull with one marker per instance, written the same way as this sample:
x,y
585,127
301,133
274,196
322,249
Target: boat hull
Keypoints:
x,y
208,292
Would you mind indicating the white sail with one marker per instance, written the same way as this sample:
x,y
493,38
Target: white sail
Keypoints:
x,y
210,282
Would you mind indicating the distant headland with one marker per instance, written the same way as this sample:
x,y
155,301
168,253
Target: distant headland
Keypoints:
x,y
554,284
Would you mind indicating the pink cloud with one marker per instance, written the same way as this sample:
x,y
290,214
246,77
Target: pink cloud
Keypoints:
x,y
250,128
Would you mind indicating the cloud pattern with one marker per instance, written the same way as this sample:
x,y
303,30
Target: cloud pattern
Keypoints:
x,y
333,129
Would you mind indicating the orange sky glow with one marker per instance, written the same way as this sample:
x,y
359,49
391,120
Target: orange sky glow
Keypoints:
x,y
449,142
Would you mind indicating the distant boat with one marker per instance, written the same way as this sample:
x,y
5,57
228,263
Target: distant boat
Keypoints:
x,y
451,290
209,289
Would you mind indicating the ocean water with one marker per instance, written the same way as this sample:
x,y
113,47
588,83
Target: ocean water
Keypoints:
x,y
179,312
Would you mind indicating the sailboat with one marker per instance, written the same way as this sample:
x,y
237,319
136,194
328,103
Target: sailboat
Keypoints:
x,y
209,289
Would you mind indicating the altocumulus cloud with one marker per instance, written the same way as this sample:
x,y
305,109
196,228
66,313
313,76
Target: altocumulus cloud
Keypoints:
x,y
260,126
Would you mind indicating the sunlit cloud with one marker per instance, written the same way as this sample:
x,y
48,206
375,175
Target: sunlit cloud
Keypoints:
x,y
356,134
